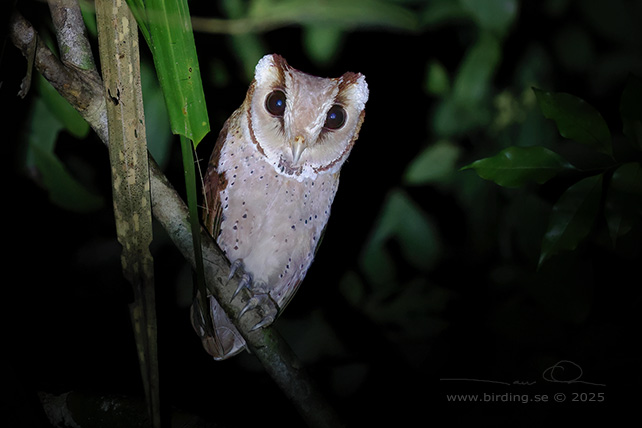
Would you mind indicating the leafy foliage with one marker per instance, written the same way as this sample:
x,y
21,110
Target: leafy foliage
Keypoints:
x,y
576,211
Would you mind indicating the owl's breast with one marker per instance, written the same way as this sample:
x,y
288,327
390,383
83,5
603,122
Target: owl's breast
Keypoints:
x,y
272,222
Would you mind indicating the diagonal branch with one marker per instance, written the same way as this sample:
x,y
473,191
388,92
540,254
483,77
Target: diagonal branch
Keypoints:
x,y
83,89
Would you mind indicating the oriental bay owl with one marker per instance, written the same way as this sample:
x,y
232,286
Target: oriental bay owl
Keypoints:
x,y
271,180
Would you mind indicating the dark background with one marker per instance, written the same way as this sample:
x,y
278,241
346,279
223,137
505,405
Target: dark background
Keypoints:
x,y
478,309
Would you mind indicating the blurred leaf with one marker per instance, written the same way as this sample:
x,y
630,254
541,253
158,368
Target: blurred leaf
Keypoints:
x,y
352,288
461,112
437,79
476,70
434,163
572,217
454,118
623,205
89,16
64,190
248,47
68,116
322,42
159,135
378,266
42,163
631,110
439,12
534,130
534,65
518,166
347,14
403,221
43,130
493,15
575,119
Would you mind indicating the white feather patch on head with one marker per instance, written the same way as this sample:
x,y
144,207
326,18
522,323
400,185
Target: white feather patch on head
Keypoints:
x,y
266,70
361,92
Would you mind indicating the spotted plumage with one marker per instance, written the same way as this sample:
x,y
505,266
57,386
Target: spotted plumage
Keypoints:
x,y
271,181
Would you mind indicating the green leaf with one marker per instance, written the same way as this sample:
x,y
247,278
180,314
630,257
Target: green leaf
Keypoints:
x,y
518,166
68,116
631,110
623,203
453,118
248,47
404,222
437,79
477,69
440,12
64,190
159,135
171,40
434,163
322,42
493,15
461,112
347,14
572,217
575,119
89,17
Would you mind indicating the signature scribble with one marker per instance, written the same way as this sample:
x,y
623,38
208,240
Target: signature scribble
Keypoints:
x,y
564,371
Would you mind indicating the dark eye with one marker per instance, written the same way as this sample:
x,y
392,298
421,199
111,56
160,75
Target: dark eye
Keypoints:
x,y
336,117
275,103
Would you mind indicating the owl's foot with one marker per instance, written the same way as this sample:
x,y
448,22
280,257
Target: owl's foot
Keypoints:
x,y
267,306
260,297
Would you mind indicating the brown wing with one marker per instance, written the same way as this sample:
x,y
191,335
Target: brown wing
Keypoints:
x,y
213,182
225,341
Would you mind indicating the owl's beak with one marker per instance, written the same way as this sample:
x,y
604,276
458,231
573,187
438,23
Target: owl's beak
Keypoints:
x,y
298,146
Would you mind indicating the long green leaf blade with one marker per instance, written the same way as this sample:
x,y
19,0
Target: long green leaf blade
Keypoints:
x,y
172,43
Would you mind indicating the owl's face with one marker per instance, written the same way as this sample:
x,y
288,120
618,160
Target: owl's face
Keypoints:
x,y
304,125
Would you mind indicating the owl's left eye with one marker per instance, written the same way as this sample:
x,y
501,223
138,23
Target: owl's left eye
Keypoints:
x,y
275,103
336,117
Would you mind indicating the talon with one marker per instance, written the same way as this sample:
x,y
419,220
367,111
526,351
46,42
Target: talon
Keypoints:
x,y
234,267
243,283
263,323
251,304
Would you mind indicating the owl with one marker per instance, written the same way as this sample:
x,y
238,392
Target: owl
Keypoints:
x,y
270,183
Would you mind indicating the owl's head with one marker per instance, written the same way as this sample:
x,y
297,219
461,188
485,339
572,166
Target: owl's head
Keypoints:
x,y
304,125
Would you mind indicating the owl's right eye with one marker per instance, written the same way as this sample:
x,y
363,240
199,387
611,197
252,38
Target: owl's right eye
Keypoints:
x,y
275,103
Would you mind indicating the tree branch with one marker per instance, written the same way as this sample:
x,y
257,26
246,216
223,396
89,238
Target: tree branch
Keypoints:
x,y
83,89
